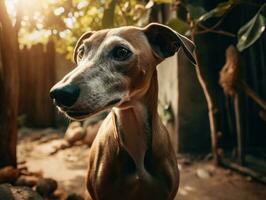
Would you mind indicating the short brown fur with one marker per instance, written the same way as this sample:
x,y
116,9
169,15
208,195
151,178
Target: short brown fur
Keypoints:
x,y
132,157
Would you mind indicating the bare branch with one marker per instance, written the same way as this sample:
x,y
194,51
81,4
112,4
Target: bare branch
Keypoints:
x,y
210,30
252,94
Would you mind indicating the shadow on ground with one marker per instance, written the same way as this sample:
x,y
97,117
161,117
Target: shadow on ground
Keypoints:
x,y
200,180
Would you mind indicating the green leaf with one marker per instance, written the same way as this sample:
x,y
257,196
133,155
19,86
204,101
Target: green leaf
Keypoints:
x,y
195,11
251,32
219,11
179,25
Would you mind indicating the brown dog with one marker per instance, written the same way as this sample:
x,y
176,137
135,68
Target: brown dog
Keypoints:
x,y
132,157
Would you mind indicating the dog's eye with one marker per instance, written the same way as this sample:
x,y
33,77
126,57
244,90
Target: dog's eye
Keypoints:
x,y
121,53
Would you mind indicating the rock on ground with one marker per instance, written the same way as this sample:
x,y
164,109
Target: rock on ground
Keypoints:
x,y
203,173
9,192
74,132
46,186
8,174
29,181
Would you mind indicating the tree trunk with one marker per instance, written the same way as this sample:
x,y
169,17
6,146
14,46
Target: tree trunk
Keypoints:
x,y
8,89
108,15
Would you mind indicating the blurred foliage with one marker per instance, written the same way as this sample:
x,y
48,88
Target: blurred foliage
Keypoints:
x,y
65,20
165,111
196,15
179,25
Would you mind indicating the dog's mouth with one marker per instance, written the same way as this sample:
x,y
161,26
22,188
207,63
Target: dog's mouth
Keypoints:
x,y
78,115
81,115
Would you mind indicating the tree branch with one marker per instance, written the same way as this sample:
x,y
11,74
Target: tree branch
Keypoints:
x,y
210,30
252,94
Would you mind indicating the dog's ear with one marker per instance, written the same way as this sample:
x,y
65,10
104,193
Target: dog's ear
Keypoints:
x,y
165,41
79,42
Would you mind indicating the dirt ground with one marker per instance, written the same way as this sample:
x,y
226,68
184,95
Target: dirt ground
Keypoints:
x,y
200,180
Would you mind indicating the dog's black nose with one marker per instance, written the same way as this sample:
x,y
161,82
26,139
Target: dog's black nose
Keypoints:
x,y
66,95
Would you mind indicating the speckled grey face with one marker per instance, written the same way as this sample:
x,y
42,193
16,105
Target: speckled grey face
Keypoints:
x,y
99,75
114,66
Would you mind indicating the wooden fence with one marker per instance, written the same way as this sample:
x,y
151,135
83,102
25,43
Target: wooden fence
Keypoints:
x,y
37,76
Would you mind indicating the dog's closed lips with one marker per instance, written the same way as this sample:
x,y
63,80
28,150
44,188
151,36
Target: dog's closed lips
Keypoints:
x,y
77,114
85,114
113,102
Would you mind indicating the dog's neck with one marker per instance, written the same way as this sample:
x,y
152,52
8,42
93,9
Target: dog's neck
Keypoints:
x,y
148,99
135,122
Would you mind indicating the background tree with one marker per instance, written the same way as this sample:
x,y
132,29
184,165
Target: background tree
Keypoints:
x,y
8,88
192,23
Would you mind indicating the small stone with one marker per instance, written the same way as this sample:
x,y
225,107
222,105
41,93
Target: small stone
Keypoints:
x,y
202,173
9,192
8,174
185,161
28,181
59,193
46,186
74,132
64,145
35,137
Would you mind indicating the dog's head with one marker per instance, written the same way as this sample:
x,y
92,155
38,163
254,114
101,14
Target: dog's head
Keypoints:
x,y
115,65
